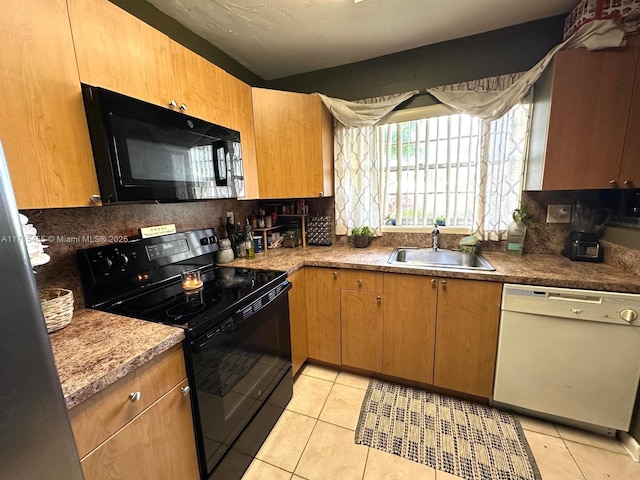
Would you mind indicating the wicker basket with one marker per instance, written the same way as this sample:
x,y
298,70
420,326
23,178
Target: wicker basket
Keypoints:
x,y
57,306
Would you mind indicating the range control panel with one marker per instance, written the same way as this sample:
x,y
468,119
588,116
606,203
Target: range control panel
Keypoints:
x,y
106,264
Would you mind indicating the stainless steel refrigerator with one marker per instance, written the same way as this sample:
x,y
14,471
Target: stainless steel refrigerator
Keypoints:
x,y
36,441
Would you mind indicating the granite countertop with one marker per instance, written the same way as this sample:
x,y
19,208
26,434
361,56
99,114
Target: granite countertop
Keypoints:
x,y
529,269
97,348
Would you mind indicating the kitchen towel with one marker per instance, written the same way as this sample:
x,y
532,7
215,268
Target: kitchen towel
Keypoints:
x,y
462,438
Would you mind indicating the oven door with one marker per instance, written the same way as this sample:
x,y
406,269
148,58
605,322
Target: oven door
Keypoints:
x,y
234,369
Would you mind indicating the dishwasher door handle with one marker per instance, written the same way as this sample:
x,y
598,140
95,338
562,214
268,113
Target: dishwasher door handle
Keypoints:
x,y
575,298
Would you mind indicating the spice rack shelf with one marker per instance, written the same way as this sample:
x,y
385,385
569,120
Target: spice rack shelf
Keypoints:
x,y
263,233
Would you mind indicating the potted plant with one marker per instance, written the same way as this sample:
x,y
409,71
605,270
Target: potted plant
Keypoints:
x,y
361,236
440,220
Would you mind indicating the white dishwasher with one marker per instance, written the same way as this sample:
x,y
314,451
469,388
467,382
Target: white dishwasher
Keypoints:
x,y
571,355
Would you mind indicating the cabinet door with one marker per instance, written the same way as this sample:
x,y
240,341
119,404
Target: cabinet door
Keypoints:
x,y
362,315
323,314
291,144
409,326
198,85
159,443
468,315
239,111
630,169
298,319
591,94
43,127
117,51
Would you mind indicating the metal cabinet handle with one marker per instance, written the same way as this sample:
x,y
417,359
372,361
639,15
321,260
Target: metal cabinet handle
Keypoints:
x,y
360,282
173,104
185,390
335,274
443,283
183,107
628,182
379,299
321,194
612,182
135,397
95,198
433,281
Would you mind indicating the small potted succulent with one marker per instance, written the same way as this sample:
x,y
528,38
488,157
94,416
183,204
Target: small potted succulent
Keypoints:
x,y
361,236
440,220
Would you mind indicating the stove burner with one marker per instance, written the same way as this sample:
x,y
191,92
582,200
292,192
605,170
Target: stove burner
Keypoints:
x,y
187,309
148,304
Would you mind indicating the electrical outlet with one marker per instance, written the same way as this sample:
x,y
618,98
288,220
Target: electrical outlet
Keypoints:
x,y
230,214
559,213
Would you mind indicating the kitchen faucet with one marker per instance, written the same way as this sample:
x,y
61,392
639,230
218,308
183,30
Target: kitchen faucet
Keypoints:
x,y
435,233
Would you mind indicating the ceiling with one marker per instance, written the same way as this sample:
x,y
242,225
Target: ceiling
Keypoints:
x,y
279,38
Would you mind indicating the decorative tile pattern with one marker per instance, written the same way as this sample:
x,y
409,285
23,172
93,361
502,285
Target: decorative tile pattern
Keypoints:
x,y
462,438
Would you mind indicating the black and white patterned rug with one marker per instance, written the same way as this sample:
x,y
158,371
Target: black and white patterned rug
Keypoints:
x,y
466,439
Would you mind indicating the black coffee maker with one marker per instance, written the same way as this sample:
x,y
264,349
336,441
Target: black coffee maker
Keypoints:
x,y
582,243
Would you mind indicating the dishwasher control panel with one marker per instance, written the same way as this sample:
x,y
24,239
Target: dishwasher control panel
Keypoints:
x,y
590,305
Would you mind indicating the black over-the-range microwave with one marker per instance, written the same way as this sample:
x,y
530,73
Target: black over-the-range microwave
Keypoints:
x,y
146,152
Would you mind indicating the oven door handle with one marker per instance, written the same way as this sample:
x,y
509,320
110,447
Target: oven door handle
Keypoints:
x,y
200,345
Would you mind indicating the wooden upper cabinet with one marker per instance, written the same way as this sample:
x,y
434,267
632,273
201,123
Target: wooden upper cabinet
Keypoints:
x,y
198,85
43,128
468,316
119,52
630,169
294,144
589,119
239,106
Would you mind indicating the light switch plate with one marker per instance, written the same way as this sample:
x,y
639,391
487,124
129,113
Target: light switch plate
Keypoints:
x,y
559,213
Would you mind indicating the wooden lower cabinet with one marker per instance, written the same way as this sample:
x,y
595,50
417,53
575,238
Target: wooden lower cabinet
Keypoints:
x,y
432,330
323,314
468,316
150,436
409,326
362,314
298,319
158,443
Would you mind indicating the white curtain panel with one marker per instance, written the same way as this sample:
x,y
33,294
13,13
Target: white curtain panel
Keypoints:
x,y
357,180
501,171
358,192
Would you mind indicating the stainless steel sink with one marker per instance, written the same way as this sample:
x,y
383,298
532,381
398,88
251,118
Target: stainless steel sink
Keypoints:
x,y
436,259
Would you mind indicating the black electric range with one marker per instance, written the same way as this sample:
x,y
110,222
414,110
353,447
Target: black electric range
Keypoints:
x,y
237,338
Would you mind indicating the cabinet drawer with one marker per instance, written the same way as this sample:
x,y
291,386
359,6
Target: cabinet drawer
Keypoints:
x,y
362,281
99,417
159,443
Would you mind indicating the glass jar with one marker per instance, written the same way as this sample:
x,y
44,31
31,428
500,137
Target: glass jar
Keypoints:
x,y
225,254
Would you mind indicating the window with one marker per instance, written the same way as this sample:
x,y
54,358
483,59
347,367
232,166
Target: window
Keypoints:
x,y
452,168
429,170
